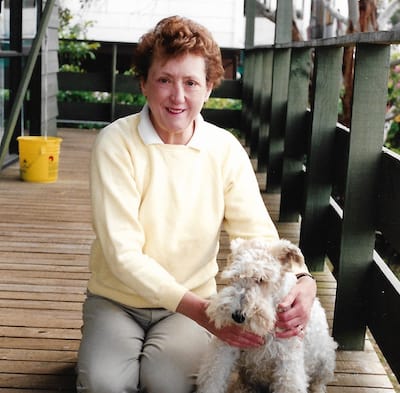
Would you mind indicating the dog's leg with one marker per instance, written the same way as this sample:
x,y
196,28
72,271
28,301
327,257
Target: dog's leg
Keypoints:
x,y
243,385
216,368
320,351
322,374
317,388
323,371
289,375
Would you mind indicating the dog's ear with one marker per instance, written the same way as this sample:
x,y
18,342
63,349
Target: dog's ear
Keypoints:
x,y
287,252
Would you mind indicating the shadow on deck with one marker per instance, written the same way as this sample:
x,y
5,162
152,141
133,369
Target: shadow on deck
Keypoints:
x,y
45,238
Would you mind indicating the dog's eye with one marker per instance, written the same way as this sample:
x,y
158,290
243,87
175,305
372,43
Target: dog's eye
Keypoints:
x,y
258,280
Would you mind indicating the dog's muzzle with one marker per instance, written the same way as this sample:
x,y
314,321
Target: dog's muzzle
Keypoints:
x,y
238,316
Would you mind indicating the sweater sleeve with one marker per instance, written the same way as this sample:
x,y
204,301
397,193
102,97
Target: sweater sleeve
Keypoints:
x,y
246,215
115,204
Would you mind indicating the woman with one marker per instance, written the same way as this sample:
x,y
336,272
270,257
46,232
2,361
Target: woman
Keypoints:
x,y
163,183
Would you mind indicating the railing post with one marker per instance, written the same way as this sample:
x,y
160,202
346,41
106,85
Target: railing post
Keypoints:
x,y
256,101
113,80
283,22
36,97
248,80
295,135
250,22
280,77
247,100
265,105
15,65
358,226
318,178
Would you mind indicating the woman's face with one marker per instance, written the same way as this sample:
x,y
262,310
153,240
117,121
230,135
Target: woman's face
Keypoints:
x,y
176,90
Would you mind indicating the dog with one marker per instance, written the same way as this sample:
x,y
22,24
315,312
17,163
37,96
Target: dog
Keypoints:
x,y
258,277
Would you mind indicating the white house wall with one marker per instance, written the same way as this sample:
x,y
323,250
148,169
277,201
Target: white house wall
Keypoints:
x,y
127,21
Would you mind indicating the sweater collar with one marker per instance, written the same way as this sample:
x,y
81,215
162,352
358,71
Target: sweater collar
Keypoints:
x,y
150,137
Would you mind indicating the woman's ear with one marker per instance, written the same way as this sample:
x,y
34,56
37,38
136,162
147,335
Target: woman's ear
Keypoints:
x,y
143,86
209,90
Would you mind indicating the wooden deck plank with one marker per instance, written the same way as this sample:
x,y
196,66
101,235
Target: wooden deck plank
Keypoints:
x,y
45,238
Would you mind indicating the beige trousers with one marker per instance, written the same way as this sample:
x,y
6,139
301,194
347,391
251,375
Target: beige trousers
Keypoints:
x,y
127,350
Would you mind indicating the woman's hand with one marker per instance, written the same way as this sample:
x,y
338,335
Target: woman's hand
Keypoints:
x,y
195,307
294,310
236,336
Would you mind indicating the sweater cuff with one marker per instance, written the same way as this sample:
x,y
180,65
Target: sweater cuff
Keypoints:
x,y
171,300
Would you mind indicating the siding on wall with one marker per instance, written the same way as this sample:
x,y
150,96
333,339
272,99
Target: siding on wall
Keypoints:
x,y
49,77
127,21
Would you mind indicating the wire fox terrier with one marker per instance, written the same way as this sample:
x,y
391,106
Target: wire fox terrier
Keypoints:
x,y
258,277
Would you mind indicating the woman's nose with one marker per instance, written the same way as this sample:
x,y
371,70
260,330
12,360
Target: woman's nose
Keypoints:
x,y
177,93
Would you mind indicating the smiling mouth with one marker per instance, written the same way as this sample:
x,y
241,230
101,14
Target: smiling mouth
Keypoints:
x,y
175,111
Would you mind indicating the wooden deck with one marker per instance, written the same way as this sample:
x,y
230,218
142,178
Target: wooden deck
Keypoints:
x,y
45,237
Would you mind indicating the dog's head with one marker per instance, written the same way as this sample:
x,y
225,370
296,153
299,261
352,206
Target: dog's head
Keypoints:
x,y
254,275
260,259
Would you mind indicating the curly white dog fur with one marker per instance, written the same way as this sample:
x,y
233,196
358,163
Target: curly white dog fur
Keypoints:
x,y
259,277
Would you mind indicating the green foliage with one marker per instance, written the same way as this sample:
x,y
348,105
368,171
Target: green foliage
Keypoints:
x,y
83,96
70,68
129,98
395,18
72,52
393,137
394,83
223,103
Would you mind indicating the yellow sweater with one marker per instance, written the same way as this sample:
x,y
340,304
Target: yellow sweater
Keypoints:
x,y
158,210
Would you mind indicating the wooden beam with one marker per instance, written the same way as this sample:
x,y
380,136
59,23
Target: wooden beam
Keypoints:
x,y
250,13
295,135
320,160
279,96
265,105
358,227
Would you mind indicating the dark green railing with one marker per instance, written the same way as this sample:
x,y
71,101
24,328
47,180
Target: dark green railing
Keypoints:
x,y
81,112
339,181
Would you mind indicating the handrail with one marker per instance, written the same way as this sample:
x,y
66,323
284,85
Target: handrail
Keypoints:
x,y
26,77
10,53
314,163
376,37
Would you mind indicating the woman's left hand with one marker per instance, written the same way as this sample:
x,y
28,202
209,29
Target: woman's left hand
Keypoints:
x,y
294,310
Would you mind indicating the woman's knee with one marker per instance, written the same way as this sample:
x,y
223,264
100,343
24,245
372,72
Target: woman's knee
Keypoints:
x,y
170,358
106,365
104,381
167,380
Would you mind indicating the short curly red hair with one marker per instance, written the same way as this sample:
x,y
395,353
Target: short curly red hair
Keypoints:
x,y
175,36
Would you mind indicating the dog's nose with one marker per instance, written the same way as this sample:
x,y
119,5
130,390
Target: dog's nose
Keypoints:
x,y
238,316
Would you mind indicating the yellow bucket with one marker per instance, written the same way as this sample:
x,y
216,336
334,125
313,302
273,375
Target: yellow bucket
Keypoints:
x,y
38,158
